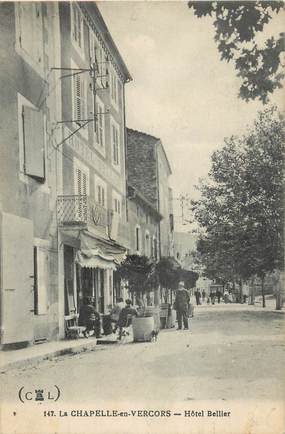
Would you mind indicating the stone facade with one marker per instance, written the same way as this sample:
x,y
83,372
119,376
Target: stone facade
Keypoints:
x,y
148,171
29,39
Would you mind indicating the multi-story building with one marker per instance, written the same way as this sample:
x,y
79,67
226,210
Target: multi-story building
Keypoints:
x,y
148,172
63,221
143,219
30,171
92,206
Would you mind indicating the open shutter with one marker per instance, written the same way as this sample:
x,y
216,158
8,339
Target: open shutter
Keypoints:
x,y
38,28
17,279
26,26
34,143
41,268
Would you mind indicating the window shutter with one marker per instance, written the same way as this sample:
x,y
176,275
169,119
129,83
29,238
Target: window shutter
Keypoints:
x,y
78,176
34,143
84,183
74,22
80,25
41,259
26,25
38,40
103,197
114,144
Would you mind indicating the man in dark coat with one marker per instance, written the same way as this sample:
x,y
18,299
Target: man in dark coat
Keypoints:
x,y
181,305
125,317
89,318
197,296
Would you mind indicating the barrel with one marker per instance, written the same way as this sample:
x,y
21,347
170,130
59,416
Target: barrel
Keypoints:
x,y
142,328
155,312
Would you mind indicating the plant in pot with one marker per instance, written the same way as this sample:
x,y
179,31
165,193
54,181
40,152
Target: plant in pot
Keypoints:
x,y
139,272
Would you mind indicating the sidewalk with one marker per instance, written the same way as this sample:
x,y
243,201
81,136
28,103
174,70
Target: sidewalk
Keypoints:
x,y
36,353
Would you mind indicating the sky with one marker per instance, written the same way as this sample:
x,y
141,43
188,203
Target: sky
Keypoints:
x,y
181,92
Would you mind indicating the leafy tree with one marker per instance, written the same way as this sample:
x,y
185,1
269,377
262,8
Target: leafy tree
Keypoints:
x,y
168,274
236,25
139,272
189,277
241,209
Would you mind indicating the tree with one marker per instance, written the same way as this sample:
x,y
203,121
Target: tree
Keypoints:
x,y
236,25
139,272
189,278
168,274
241,210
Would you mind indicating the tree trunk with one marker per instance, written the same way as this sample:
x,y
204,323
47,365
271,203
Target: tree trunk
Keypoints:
x,y
157,296
240,292
278,291
262,291
252,292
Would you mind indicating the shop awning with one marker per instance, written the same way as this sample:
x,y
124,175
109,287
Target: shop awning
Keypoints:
x,y
93,258
106,248
96,253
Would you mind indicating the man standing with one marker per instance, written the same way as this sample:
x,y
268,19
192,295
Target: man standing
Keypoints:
x,y
181,305
197,296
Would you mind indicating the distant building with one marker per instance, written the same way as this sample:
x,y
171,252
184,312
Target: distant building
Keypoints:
x,y
143,219
184,247
148,173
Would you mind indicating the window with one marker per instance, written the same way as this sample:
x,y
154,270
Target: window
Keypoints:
x,y
117,203
138,238
99,127
147,244
117,206
115,145
100,191
77,27
114,87
81,178
100,195
29,28
81,187
33,141
154,247
97,56
40,281
79,97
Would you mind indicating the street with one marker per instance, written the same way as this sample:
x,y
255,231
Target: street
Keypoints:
x,y
233,352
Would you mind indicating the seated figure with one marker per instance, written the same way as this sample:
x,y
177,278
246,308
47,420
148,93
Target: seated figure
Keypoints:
x,y
127,312
89,318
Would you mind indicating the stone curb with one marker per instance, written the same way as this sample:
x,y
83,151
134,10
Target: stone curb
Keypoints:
x,y
33,360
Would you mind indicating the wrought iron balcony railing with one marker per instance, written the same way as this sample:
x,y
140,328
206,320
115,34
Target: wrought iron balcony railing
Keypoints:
x,y
80,210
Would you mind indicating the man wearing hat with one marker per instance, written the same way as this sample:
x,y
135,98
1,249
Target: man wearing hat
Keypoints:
x,y
181,304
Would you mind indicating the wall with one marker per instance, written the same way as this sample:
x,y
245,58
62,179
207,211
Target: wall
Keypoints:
x,y
141,164
22,195
140,220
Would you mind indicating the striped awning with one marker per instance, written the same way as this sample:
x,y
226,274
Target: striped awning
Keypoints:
x,y
94,258
96,253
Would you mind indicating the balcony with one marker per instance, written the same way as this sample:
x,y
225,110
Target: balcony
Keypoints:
x,y
81,210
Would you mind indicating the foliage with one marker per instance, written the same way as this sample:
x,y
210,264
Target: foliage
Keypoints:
x,y
139,272
168,273
241,209
189,277
236,25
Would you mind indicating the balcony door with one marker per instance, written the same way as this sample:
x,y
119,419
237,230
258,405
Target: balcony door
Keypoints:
x,y
81,188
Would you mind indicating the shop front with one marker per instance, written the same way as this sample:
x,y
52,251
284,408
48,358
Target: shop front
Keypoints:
x,y
90,270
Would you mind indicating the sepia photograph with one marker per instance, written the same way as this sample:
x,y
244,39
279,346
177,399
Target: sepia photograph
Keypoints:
x,y
142,285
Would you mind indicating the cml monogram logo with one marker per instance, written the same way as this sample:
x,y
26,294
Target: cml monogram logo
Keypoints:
x,y
39,395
